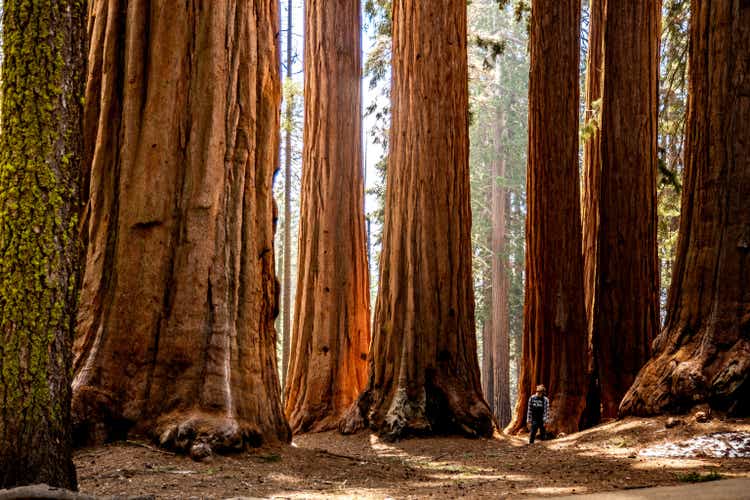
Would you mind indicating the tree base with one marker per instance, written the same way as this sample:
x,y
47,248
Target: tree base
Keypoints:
x,y
433,412
674,382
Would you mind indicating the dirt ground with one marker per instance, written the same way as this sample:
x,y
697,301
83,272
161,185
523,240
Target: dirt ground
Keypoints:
x,y
605,458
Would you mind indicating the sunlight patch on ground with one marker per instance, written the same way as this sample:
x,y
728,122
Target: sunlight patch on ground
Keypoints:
x,y
716,445
555,490
684,463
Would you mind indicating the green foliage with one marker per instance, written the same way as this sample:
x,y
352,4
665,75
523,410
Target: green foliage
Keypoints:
x,y
697,477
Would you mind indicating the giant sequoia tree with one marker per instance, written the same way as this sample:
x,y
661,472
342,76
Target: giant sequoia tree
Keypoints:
x,y
424,372
625,310
703,352
554,337
40,158
331,320
175,332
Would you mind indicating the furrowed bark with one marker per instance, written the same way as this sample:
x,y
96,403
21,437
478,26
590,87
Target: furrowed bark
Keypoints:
x,y
175,332
423,367
40,202
555,334
332,314
703,353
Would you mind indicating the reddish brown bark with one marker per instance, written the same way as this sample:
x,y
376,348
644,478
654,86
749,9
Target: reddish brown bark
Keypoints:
x,y
626,304
590,195
703,353
554,338
331,321
500,339
424,372
175,332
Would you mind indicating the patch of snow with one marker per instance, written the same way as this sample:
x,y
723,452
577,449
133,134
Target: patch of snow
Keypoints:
x,y
716,445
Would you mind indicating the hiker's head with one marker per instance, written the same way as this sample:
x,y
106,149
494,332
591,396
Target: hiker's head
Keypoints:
x,y
540,389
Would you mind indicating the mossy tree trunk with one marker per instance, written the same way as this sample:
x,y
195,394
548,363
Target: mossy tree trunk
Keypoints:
x,y
625,310
175,333
423,366
332,314
703,353
40,192
555,334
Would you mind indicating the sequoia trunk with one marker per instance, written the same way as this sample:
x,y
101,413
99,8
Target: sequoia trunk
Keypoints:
x,y
332,313
500,403
626,302
424,372
703,353
554,337
590,199
175,331
40,192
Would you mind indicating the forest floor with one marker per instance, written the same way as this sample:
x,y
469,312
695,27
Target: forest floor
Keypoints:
x,y
619,455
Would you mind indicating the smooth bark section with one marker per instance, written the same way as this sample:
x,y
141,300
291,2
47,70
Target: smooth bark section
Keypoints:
x,y
423,366
703,353
554,338
40,192
626,304
175,333
332,313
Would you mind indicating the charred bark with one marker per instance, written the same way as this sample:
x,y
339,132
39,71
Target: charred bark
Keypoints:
x,y
40,202
423,367
625,312
703,353
332,314
175,332
554,338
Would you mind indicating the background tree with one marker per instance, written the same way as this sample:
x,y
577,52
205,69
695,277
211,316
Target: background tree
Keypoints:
x,y
332,313
703,352
424,373
175,335
40,191
626,295
591,189
554,338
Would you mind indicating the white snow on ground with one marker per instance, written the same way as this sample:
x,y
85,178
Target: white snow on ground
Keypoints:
x,y
716,445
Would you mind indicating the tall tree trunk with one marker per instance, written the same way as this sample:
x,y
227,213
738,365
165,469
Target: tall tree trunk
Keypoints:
x,y
626,303
424,372
175,331
703,352
591,191
554,338
488,364
500,325
286,309
332,313
40,191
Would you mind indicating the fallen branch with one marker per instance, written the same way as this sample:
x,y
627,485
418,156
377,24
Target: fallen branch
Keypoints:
x,y
46,492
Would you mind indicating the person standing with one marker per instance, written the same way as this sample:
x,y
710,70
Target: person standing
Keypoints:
x,y
537,413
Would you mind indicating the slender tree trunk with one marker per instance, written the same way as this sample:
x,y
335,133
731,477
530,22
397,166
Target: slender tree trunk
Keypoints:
x,y
554,338
500,403
175,332
286,306
626,303
40,192
424,372
591,192
703,352
332,313
488,377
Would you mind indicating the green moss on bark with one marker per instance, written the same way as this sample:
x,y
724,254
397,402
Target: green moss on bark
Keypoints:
x,y
39,202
